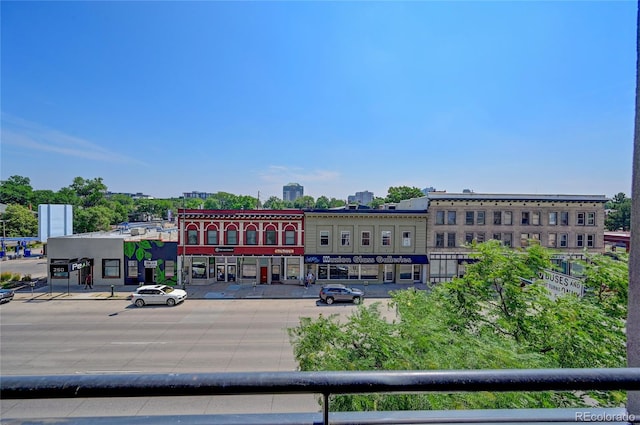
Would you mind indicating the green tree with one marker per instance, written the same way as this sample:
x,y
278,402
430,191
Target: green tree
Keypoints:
x,y
92,219
334,203
122,206
488,319
620,217
322,202
19,221
67,196
39,197
275,203
399,193
305,201
16,190
91,192
377,202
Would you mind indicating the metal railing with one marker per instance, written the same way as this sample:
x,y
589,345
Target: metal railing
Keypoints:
x,y
334,383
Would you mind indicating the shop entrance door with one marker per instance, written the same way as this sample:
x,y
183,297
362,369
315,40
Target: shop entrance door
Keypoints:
x,y
388,273
263,275
150,275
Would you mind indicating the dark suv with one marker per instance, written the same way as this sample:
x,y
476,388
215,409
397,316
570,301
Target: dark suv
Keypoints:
x,y
336,292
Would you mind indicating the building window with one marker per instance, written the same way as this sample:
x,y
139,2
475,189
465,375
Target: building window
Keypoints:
x,y
524,239
508,218
324,238
480,237
252,237
232,237
169,268
497,217
535,238
497,237
591,219
110,268
451,217
580,219
451,240
525,218
507,239
271,238
468,237
132,268
439,217
289,237
535,218
553,219
591,241
564,240
406,238
552,240
366,239
386,238
212,237
345,238
480,218
192,237
579,241
469,218
564,218
439,240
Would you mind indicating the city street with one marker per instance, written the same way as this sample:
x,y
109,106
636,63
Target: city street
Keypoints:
x,y
100,337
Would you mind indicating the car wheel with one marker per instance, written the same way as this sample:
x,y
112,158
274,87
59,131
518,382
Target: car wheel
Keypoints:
x,y
140,302
329,300
357,300
171,302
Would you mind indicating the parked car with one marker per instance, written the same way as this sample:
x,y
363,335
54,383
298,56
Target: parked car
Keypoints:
x,y
6,295
158,294
336,292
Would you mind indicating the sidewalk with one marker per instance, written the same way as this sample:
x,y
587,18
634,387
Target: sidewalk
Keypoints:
x,y
36,268
214,291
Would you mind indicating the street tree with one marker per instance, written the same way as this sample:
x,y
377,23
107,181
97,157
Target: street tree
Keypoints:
x,y
19,221
274,203
322,202
498,315
305,201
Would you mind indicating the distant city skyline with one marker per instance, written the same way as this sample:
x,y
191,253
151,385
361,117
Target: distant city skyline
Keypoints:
x,y
341,97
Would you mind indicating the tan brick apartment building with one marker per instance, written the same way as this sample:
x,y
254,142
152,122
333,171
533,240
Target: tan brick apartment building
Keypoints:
x,y
569,224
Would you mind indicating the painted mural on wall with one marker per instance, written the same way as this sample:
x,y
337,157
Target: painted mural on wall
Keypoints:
x,y
156,262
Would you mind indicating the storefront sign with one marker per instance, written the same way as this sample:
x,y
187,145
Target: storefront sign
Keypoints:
x,y
150,264
283,251
366,259
79,265
224,249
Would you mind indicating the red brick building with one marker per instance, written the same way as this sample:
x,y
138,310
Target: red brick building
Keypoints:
x,y
262,246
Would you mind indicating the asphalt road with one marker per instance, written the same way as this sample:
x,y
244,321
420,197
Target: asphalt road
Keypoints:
x,y
98,337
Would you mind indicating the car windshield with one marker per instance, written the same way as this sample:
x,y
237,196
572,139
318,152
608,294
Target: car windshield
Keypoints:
x,y
167,289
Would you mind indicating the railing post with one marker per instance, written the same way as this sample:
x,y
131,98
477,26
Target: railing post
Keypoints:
x,y
325,408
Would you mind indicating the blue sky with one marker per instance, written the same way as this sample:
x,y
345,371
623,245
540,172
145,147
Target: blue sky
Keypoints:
x,y
245,97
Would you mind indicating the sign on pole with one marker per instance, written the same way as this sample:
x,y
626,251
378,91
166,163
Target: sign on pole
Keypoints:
x,y
560,284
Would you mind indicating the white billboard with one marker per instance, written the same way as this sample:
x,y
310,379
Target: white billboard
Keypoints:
x,y
54,220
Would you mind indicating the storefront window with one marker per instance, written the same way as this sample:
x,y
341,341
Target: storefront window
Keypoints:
x,y
132,268
293,268
406,272
323,272
110,268
169,268
369,272
354,272
199,268
249,271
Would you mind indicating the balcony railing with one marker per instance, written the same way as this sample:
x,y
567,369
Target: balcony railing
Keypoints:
x,y
332,383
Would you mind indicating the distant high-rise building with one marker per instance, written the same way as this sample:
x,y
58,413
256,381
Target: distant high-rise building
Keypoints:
x,y
362,198
292,191
426,190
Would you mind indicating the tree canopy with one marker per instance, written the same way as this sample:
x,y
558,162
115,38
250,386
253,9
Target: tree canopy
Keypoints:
x,y
491,318
620,216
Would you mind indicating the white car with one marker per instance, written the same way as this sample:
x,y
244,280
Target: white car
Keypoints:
x,y
158,294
